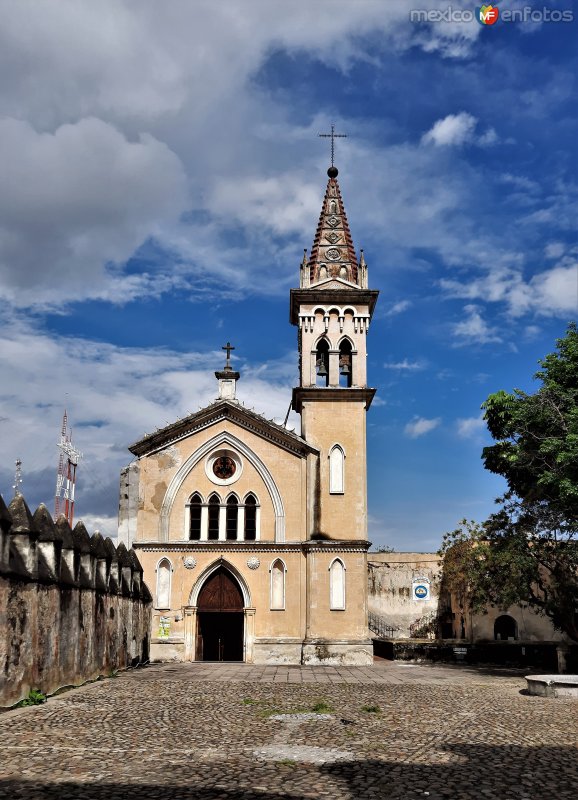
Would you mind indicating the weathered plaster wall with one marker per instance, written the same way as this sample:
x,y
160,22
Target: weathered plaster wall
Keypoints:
x,y
72,607
390,577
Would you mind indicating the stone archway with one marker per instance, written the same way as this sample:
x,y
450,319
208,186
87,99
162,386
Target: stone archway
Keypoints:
x,y
505,628
220,618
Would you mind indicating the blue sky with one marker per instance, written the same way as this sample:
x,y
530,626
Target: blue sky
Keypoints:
x,y
162,175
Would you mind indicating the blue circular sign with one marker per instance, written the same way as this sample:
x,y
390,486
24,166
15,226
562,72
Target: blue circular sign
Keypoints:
x,y
421,591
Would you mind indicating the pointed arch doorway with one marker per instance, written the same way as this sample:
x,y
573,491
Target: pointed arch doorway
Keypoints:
x,y
220,618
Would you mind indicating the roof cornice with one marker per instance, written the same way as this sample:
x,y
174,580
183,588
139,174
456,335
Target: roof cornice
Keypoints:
x,y
223,410
318,394
343,296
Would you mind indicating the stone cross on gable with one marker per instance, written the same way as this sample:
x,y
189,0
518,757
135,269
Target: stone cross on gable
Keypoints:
x,y
228,347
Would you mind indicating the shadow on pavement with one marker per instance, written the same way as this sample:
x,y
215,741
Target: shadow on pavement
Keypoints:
x,y
477,771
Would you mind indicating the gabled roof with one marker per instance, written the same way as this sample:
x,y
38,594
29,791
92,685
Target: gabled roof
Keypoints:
x,y
223,409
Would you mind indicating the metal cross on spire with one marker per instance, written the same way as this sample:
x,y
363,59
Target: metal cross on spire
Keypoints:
x,y
333,136
228,347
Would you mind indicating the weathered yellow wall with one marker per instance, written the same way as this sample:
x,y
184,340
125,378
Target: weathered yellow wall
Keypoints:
x,y
157,470
341,516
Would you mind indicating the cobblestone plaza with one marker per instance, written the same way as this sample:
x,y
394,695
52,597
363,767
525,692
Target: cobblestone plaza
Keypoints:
x,y
209,731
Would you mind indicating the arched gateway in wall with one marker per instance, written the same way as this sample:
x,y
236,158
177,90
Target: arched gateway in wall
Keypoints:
x,y
220,618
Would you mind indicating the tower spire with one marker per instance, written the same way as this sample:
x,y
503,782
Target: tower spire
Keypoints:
x,y
332,255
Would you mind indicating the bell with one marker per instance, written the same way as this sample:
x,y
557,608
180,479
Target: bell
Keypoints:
x,y
344,368
321,368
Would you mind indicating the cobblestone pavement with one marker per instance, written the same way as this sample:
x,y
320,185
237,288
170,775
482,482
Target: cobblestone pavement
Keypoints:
x,y
208,731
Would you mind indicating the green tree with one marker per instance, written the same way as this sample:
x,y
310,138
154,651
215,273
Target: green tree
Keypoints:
x,y
536,435
527,552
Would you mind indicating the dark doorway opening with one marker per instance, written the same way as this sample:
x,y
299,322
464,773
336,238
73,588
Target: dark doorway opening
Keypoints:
x,y
220,636
220,618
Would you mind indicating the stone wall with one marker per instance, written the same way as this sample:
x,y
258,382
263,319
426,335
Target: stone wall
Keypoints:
x,y
391,602
72,606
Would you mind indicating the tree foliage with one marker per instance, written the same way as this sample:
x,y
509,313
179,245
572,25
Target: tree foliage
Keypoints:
x,y
527,552
536,435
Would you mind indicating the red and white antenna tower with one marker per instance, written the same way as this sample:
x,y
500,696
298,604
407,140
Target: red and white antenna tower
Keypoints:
x,y
66,477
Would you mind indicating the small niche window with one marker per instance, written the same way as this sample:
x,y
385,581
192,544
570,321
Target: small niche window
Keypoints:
x,y
232,515
214,508
345,364
250,517
164,570
322,363
336,470
195,517
278,585
337,585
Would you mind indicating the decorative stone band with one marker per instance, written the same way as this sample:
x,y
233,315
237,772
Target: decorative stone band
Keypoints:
x,y
217,547
309,546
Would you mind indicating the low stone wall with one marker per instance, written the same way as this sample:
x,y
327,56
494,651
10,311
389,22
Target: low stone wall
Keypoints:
x,y
543,655
72,606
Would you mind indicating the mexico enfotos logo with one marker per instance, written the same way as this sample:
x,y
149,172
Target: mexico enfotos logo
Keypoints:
x,y
488,15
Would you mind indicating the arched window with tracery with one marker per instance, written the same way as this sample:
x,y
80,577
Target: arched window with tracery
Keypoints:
x,y
164,570
232,517
214,509
278,571
195,513
336,470
337,585
250,517
322,363
345,364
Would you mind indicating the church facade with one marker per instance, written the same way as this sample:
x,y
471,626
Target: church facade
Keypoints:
x,y
253,539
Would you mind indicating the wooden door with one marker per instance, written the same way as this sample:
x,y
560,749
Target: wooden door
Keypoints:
x,y
221,592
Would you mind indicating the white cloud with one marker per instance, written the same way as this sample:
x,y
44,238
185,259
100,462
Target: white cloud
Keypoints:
x,y
470,426
474,329
77,200
127,100
554,250
115,395
488,138
405,365
420,426
398,308
553,292
453,130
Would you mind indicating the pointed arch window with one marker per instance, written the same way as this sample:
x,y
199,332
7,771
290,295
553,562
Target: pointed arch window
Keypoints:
x,y
278,570
232,517
336,470
250,517
195,512
322,363
345,364
164,571
337,585
214,509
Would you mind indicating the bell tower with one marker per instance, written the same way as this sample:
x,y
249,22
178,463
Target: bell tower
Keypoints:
x,y
332,310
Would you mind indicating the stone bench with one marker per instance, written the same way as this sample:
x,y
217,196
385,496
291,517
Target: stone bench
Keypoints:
x,y
553,685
